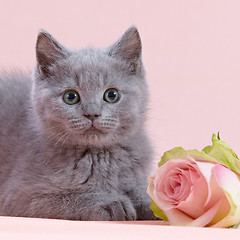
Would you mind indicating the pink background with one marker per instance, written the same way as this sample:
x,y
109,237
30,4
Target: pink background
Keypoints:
x,y
191,50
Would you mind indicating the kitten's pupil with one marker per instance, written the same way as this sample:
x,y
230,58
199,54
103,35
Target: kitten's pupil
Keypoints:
x,y
71,97
112,95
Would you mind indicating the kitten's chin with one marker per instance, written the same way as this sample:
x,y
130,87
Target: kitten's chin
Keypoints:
x,y
96,138
93,137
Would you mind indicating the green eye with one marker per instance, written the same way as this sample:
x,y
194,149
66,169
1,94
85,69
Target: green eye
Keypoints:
x,y
111,95
71,97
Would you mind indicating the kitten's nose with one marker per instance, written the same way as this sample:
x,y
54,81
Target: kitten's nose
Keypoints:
x,y
92,116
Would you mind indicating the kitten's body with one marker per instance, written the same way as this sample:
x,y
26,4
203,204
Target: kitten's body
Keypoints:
x,y
87,161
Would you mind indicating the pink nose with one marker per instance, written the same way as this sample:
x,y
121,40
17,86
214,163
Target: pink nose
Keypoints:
x,y
92,116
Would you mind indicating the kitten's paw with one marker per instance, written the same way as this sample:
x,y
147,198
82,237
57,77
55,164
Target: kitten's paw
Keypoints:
x,y
116,210
120,211
142,202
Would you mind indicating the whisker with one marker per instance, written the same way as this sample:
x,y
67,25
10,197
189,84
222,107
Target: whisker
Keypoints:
x,y
55,145
49,129
54,135
64,141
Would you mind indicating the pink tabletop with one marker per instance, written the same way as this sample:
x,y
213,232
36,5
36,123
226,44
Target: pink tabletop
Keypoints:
x,y
30,228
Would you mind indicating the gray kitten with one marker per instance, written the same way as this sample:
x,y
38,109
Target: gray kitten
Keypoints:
x,y
72,140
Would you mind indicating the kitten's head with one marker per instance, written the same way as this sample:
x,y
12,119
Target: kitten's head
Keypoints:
x,y
93,97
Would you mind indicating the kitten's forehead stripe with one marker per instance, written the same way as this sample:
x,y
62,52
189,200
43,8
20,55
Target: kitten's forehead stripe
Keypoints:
x,y
95,73
89,79
76,78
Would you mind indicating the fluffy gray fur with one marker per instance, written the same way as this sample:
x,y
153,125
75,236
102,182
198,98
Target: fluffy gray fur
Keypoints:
x,y
87,161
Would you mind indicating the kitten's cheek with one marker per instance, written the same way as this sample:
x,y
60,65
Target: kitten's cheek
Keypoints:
x,y
106,126
79,127
43,107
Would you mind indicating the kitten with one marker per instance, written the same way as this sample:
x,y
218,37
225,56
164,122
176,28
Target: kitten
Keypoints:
x,y
72,140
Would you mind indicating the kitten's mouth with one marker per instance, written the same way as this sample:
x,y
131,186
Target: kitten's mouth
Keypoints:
x,y
92,128
93,135
93,131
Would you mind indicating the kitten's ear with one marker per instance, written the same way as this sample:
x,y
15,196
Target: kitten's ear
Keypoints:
x,y
48,51
128,47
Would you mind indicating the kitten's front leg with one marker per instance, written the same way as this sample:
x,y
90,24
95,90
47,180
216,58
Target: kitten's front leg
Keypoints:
x,y
71,205
87,207
115,209
141,202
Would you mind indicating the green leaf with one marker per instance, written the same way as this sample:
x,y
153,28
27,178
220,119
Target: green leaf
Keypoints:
x,y
207,149
177,152
181,153
201,156
218,152
236,226
223,154
158,212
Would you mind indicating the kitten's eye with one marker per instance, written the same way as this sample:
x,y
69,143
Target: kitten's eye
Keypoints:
x,y
111,95
71,97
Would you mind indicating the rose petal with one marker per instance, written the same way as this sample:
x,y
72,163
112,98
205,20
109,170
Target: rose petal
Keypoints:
x,y
230,220
184,188
174,182
176,186
178,218
151,191
216,194
162,187
206,170
194,204
229,181
204,219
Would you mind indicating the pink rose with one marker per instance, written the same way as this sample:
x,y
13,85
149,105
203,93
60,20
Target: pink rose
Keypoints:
x,y
196,193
